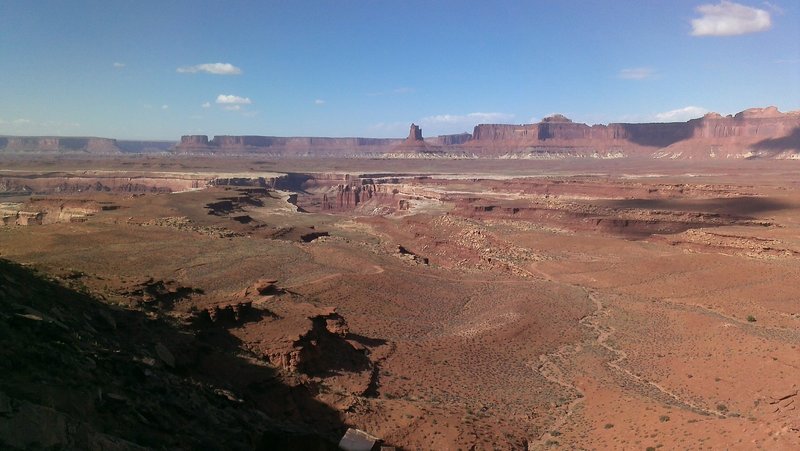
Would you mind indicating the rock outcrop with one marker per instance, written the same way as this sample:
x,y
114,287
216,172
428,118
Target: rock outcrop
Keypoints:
x,y
414,134
79,373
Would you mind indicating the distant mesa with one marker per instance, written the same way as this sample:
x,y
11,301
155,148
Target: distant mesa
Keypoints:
x,y
752,133
194,141
77,144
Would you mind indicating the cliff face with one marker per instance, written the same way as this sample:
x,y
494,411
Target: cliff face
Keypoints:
x,y
451,140
756,132
60,144
753,133
290,146
19,144
414,134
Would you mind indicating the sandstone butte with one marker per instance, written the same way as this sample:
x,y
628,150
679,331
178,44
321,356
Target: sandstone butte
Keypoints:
x,y
753,133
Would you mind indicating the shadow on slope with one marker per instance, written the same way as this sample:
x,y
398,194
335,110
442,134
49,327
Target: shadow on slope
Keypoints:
x,y
80,374
735,206
658,134
788,142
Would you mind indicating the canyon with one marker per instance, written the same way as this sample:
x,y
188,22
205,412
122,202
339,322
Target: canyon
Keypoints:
x,y
576,303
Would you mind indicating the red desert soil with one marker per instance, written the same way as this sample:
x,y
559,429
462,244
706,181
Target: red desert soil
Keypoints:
x,y
436,305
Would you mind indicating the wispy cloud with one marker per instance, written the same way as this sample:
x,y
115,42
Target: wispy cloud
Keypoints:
x,y
319,102
232,107
730,19
390,129
230,99
637,73
206,105
118,65
211,68
681,114
472,118
441,124
164,107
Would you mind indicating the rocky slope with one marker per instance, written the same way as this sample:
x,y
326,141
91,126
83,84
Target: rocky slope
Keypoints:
x,y
79,373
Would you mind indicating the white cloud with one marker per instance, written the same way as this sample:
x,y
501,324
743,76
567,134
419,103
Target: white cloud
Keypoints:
x,y
471,118
232,107
230,99
206,105
21,121
443,124
119,65
319,102
404,90
391,129
211,68
730,19
637,73
164,107
681,114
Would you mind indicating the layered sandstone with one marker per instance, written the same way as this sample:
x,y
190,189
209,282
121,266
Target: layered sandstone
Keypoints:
x,y
299,146
91,145
753,133
414,134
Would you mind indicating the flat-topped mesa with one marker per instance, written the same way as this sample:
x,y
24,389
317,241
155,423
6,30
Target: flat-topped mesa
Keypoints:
x,y
750,124
756,132
451,140
60,144
284,145
79,145
194,141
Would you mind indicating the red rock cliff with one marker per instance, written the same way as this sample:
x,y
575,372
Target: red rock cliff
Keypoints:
x,y
757,132
38,144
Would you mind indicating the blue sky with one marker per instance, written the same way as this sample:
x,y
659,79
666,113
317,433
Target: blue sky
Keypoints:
x,y
157,70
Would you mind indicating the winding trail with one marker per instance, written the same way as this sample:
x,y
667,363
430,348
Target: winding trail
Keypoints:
x,y
661,393
376,270
549,368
